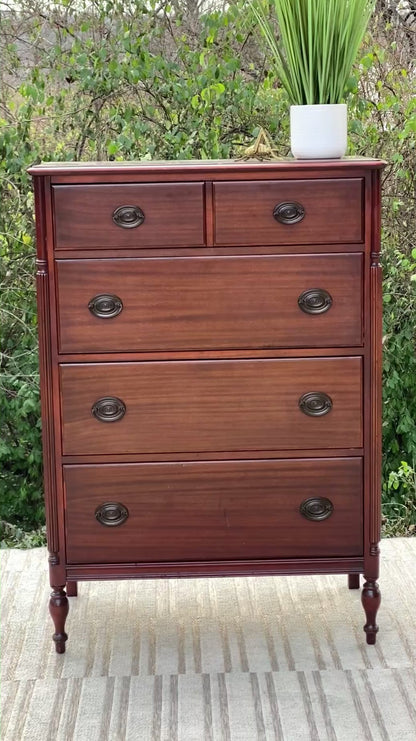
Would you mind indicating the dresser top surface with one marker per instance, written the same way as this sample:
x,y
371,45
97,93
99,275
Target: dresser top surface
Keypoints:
x,y
180,166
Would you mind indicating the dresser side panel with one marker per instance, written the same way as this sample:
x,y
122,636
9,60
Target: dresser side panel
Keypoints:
x,y
373,528
43,284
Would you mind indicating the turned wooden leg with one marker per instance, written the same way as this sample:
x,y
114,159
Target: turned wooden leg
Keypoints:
x,y
371,599
58,608
353,581
72,588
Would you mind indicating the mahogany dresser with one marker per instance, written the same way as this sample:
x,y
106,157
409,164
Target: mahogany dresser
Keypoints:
x,y
210,351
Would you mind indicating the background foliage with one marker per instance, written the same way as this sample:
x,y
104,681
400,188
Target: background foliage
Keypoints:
x,y
113,80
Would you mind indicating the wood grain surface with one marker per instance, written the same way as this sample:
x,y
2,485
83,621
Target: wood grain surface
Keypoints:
x,y
173,215
209,303
211,405
333,211
227,510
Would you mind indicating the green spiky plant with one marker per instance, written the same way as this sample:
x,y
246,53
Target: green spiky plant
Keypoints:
x,y
317,46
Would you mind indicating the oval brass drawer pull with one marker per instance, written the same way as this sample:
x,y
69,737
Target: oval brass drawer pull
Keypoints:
x,y
105,306
315,301
109,409
128,217
111,514
315,403
316,508
289,212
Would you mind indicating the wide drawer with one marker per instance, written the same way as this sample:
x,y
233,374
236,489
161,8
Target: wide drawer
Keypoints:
x,y
144,215
216,510
211,405
210,303
289,212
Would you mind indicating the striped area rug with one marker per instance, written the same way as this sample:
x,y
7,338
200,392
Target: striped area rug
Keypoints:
x,y
236,659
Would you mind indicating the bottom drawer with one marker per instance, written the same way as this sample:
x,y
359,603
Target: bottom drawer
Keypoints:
x,y
213,510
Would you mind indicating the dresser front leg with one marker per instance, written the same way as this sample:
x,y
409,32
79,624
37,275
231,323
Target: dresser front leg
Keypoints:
x,y
72,588
371,599
353,581
58,608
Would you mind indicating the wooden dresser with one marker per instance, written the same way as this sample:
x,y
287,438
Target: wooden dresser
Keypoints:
x,y
210,348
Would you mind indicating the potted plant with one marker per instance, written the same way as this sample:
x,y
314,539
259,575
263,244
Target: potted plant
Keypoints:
x,y
314,53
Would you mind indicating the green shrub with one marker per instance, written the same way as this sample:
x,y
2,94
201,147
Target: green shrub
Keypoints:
x,y
21,492
383,122
399,506
124,81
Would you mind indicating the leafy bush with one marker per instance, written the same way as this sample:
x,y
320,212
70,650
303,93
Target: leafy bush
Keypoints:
x,y
21,498
385,125
107,79
399,507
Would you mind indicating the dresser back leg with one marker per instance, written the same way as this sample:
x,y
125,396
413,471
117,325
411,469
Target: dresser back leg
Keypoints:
x,y
353,581
72,588
58,608
371,599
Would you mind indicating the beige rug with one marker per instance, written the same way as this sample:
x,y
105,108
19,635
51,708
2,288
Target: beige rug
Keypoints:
x,y
242,659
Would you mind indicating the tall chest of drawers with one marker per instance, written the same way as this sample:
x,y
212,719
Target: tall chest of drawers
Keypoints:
x,y
210,355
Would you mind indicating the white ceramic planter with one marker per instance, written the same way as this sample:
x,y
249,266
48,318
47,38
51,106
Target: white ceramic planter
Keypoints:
x,y
318,131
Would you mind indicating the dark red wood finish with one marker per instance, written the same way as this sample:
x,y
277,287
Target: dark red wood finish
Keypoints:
x,y
288,352
195,569
372,476
209,170
173,215
72,589
209,251
217,455
371,599
210,303
213,352
353,581
211,405
58,608
332,212
211,511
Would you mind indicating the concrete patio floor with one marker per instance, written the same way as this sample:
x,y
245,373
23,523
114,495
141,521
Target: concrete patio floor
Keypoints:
x,y
232,659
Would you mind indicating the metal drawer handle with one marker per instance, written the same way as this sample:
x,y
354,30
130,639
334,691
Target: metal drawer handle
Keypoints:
x,y
289,212
315,301
315,403
105,306
111,514
109,409
128,216
316,508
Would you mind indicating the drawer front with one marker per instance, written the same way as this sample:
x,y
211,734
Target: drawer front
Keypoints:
x,y
289,212
151,215
216,510
196,406
210,303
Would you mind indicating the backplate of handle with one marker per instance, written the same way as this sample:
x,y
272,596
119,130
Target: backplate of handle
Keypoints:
x,y
315,403
128,217
105,306
316,508
288,212
109,409
315,301
111,514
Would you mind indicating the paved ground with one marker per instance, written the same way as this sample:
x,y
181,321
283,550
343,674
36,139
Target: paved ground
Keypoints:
x,y
210,660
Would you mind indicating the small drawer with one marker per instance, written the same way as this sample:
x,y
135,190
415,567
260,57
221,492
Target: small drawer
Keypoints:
x,y
129,216
289,212
211,405
210,303
214,510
